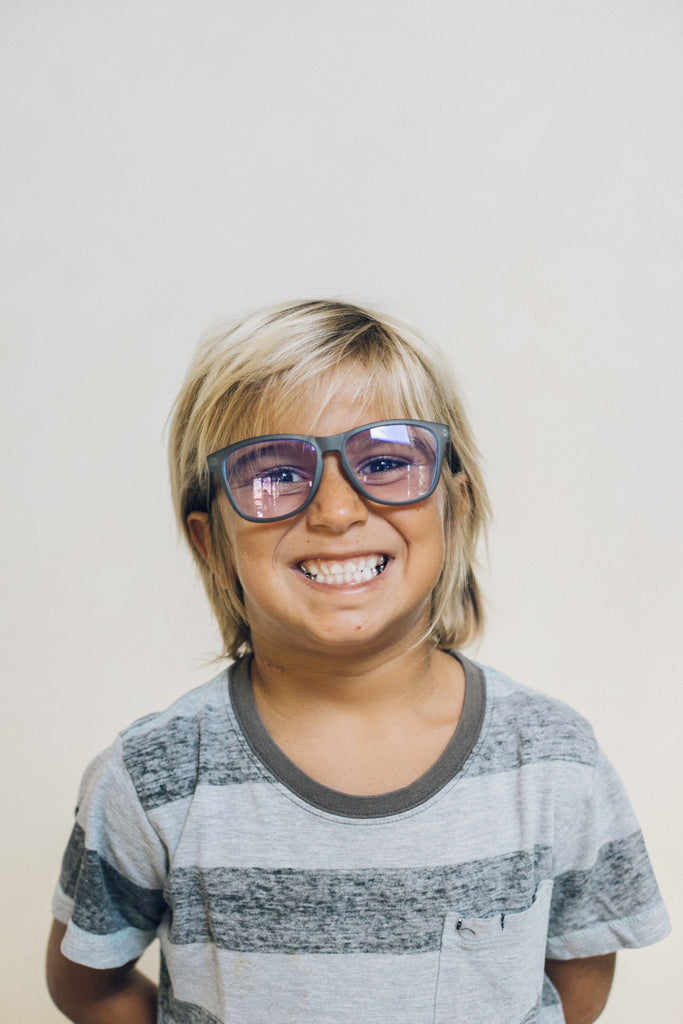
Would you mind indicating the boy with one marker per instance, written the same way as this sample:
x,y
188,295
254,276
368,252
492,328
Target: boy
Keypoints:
x,y
354,822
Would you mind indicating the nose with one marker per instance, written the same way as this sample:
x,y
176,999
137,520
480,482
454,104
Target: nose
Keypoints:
x,y
336,505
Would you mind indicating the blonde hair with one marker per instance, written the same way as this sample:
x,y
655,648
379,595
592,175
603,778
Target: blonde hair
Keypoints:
x,y
243,377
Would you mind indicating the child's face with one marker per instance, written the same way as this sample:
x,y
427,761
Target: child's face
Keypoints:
x,y
290,610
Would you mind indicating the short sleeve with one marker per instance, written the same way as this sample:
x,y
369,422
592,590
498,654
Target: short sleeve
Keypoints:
x,y
110,890
605,895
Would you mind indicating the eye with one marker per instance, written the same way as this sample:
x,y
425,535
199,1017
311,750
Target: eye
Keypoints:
x,y
283,475
380,464
276,478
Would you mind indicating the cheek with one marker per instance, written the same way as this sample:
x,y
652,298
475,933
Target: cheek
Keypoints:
x,y
423,529
433,539
438,545
253,553
248,565
252,579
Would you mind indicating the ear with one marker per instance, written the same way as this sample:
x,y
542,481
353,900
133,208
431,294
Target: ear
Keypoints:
x,y
199,527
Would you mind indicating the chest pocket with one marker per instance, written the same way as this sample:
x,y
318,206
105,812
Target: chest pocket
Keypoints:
x,y
491,969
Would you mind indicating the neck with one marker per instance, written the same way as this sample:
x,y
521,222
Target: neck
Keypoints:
x,y
367,684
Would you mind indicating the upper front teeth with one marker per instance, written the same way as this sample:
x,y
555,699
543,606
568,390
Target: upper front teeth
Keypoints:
x,y
353,571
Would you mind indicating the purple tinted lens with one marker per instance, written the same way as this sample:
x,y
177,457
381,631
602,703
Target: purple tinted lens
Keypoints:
x,y
270,479
394,462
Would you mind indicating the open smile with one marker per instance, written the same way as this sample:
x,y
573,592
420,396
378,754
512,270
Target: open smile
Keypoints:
x,y
337,573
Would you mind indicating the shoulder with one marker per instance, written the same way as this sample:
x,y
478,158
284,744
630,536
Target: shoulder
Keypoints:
x,y
192,706
523,725
169,753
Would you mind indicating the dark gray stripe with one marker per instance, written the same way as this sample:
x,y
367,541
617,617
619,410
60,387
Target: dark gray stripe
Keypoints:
x,y
546,730
446,768
174,1011
168,762
105,901
71,861
363,911
619,885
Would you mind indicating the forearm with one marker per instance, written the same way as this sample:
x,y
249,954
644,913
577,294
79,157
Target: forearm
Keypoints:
x,y
135,1002
122,995
583,985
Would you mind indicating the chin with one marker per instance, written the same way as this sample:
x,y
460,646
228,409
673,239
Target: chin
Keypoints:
x,y
370,637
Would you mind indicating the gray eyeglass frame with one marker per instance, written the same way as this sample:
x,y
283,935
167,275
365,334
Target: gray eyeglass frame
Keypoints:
x,y
323,446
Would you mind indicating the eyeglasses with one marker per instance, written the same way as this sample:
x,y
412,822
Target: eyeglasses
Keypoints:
x,y
392,462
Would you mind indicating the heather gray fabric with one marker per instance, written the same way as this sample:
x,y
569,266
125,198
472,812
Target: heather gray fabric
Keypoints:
x,y
276,899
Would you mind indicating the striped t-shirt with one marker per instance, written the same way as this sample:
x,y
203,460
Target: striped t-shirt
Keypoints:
x,y
276,899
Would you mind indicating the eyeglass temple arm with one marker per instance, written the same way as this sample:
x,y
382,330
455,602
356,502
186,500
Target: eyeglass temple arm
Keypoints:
x,y
454,463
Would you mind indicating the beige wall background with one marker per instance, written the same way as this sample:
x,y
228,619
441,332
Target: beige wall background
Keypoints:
x,y
506,176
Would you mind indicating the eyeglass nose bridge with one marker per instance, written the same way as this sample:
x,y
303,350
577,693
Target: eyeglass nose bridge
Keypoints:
x,y
333,444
